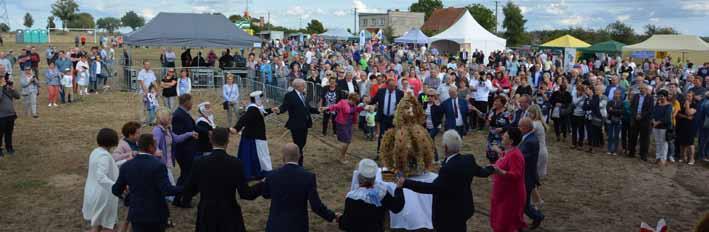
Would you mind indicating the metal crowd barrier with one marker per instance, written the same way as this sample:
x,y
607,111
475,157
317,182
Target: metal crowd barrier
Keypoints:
x,y
202,77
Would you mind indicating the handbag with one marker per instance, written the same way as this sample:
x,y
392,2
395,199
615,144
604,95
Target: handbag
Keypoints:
x,y
556,112
596,121
225,105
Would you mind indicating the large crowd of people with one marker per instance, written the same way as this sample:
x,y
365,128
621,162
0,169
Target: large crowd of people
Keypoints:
x,y
606,104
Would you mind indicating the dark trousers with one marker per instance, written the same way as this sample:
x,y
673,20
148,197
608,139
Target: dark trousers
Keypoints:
x,y
478,120
147,227
578,131
7,126
595,134
624,135
300,137
640,135
328,118
433,132
560,126
530,211
185,161
384,124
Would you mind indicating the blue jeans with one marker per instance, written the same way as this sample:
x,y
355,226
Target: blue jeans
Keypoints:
x,y
702,148
613,135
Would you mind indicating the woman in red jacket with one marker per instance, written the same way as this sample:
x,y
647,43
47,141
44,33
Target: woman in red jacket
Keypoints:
x,y
508,192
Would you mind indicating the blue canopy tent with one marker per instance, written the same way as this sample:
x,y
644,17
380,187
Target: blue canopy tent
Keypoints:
x,y
413,36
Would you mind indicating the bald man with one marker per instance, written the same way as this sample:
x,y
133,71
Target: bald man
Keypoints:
x,y
529,146
290,188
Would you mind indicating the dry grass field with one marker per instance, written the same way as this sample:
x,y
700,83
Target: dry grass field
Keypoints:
x,y
41,187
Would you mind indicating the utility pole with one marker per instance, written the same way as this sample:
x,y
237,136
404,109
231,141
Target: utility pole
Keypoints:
x,y
496,16
4,18
268,21
355,20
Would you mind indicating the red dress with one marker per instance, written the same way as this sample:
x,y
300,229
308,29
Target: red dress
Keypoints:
x,y
508,194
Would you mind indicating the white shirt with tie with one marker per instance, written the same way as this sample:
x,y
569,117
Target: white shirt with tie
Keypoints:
x,y
389,102
456,110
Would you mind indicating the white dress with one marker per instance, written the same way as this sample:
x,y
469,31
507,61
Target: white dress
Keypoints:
x,y
100,205
543,153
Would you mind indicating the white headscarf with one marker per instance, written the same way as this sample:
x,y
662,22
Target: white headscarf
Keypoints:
x,y
207,117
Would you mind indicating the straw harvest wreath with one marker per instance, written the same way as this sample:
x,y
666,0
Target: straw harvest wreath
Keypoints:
x,y
407,147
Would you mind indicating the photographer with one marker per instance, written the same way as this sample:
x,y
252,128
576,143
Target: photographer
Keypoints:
x,y
30,90
481,86
7,114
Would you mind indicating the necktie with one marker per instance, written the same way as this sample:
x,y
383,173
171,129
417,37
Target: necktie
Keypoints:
x,y
390,103
455,107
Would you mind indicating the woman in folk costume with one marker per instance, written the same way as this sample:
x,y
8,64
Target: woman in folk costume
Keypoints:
x,y
204,126
253,148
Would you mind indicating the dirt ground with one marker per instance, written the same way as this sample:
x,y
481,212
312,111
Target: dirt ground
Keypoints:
x,y
41,187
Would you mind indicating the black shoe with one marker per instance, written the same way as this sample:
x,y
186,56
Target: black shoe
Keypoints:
x,y
536,224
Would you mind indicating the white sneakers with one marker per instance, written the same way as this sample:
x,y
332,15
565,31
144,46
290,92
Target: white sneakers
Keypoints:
x,y
52,105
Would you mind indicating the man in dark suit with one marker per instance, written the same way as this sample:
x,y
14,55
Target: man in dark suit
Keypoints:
x,y
346,86
386,100
146,177
529,146
523,102
464,56
452,197
216,178
290,189
299,111
455,110
641,107
182,122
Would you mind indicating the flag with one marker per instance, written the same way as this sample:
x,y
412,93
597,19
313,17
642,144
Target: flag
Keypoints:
x,y
380,35
361,39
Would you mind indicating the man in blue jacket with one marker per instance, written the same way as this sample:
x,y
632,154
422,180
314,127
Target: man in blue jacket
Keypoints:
x,y
530,150
290,189
145,180
455,110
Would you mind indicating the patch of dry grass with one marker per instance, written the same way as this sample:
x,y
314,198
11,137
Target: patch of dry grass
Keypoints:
x,y
41,187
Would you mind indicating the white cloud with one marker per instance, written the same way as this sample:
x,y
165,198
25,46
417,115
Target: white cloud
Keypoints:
x,y
556,8
572,21
319,11
654,20
148,13
296,10
623,18
201,9
699,7
361,7
339,13
524,9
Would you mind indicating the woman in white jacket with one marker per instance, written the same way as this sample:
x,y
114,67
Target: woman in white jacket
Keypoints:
x,y
100,207
184,84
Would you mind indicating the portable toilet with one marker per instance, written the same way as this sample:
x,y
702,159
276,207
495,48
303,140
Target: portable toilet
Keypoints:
x,y
43,36
19,36
27,36
35,36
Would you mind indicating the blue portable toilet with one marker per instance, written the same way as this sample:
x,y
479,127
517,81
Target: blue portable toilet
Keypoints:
x,y
35,35
43,36
27,36
19,36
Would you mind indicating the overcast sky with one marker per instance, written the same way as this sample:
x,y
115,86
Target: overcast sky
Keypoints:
x,y
687,16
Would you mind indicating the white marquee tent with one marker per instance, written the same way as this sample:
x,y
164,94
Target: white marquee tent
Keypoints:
x,y
467,34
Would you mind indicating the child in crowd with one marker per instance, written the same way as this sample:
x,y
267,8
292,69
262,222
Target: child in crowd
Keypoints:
x,y
370,116
362,123
151,103
82,76
67,84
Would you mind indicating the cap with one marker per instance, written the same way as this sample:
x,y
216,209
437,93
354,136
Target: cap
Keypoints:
x,y
367,168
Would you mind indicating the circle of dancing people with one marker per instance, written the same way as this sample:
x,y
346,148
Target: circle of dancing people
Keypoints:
x,y
597,101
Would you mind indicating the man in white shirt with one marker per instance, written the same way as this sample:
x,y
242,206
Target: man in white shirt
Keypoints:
x,y
5,62
481,88
146,76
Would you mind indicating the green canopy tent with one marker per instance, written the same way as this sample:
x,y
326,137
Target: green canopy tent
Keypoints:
x,y
608,47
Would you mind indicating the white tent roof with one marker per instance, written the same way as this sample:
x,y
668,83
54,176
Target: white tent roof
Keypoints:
x,y
468,31
413,36
679,43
